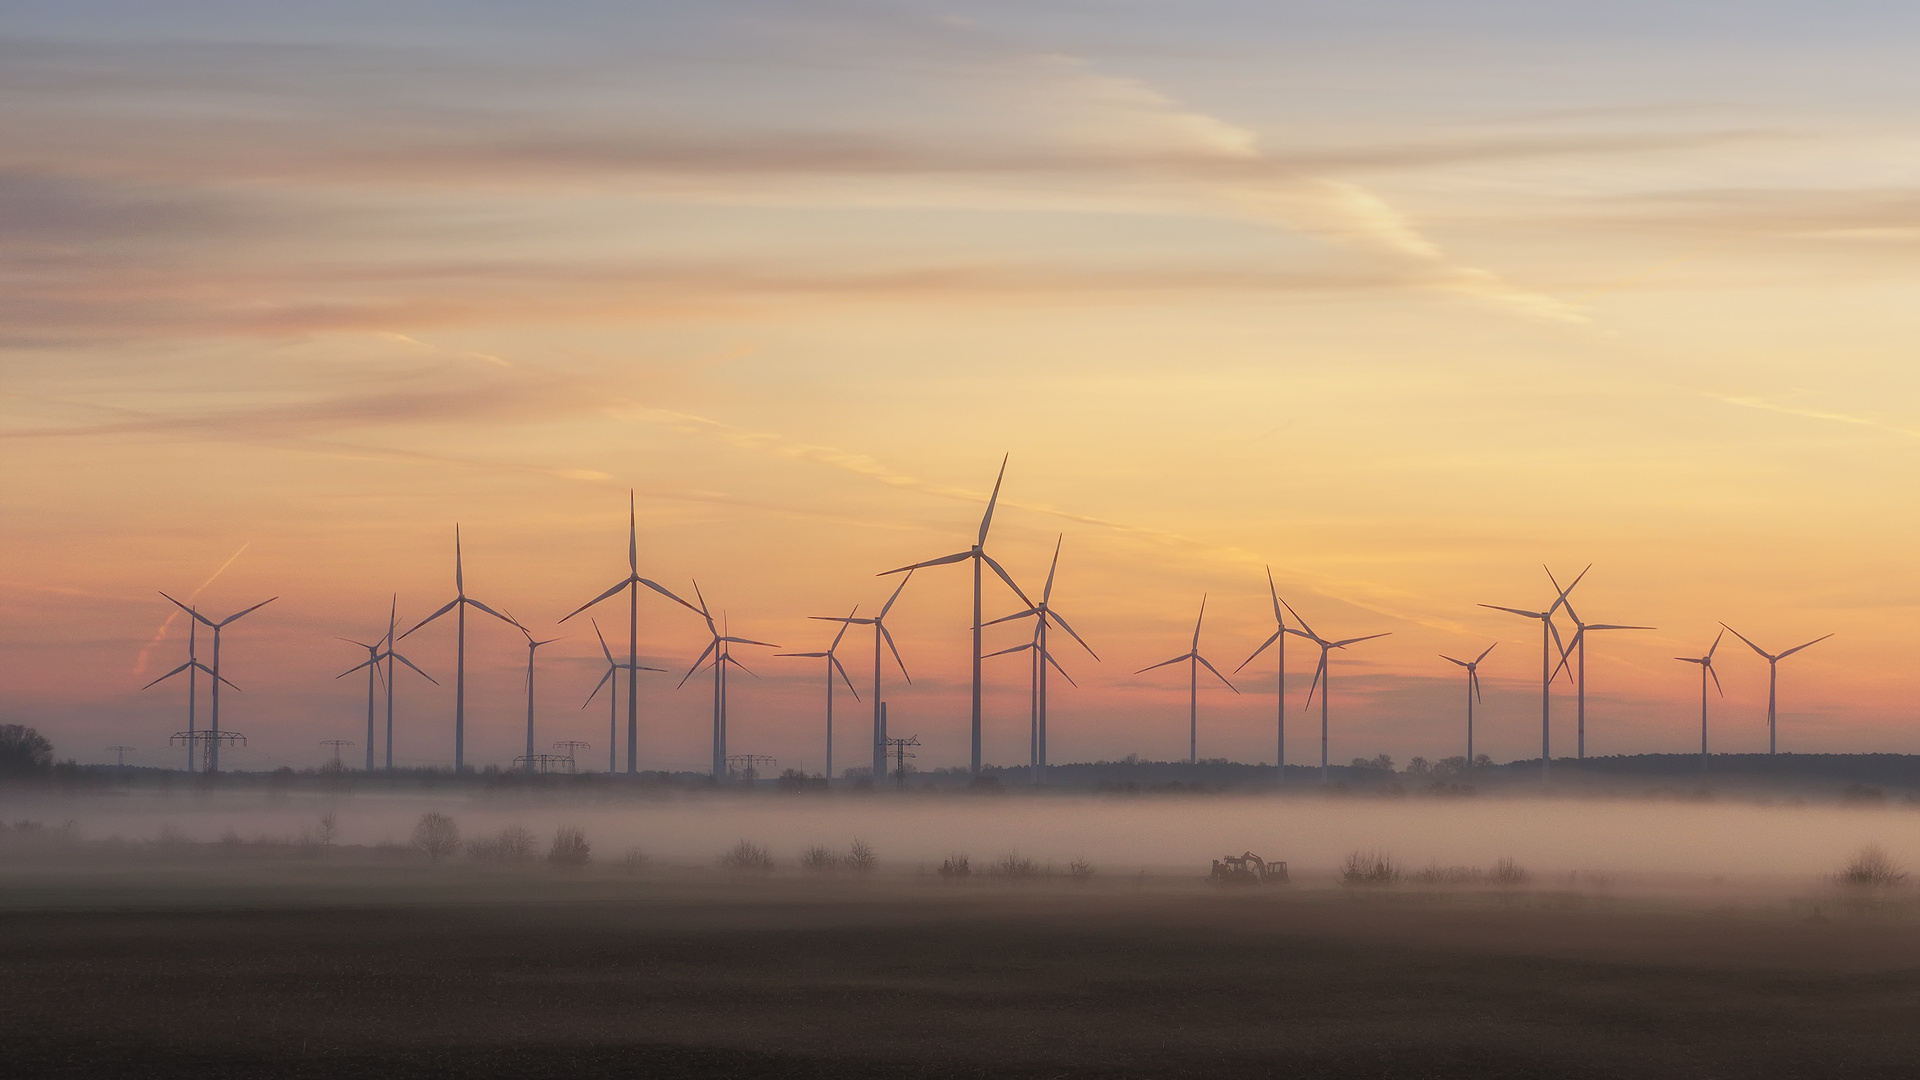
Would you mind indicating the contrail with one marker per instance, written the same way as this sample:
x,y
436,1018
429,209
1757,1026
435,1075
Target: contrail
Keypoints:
x,y
160,634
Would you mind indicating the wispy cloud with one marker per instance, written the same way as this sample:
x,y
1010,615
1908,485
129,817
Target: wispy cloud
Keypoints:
x,y
1823,414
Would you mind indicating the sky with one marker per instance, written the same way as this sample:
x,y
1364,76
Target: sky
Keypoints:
x,y
1403,301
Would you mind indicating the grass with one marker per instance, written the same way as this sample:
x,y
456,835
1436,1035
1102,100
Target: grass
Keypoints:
x,y
956,866
1017,867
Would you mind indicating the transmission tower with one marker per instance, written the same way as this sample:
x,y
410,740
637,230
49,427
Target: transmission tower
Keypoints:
x,y
747,766
123,751
544,762
208,742
572,747
338,745
900,756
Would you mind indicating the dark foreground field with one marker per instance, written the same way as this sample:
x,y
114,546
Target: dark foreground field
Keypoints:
x,y
329,971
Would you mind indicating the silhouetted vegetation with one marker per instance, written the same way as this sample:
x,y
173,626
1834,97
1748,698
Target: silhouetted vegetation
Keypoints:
x,y
956,866
1369,868
1870,868
514,843
747,855
435,833
24,751
570,847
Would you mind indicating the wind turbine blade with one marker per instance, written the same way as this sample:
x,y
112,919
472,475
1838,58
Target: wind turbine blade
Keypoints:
x,y
702,609
697,665
1303,623
609,594
1517,611
1046,593
1216,672
1566,654
416,669
897,590
1062,624
1483,654
459,570
633,537
1716,644
190,611
728,658
1474,678
604,651
1562,598
1750,644
1275,593
1612,626
226,680
749,641
1716,679
1564,649
1256,653
362,644
1061,670
1181,659
840,619
505,619
1029,613
986,520
1797,648
843,631
1013,649
1462,663
1356,640
814,655
190,664
370,662
1198,621
835,663
1318,671
669,594
450,606
1006,577
236,615
596,687
894,649
941,561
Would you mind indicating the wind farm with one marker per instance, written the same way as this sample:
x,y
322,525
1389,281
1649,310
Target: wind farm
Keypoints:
x,y
1568,346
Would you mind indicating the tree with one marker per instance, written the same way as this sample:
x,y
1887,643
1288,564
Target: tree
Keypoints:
x,y
23,751
437,835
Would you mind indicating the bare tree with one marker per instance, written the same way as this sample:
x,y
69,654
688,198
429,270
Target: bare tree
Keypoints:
x,y
23,751
437,835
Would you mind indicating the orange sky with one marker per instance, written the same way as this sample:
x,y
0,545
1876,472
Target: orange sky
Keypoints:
x,y
1402,307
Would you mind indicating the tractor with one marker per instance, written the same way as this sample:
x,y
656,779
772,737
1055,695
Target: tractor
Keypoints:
x,y
1247,869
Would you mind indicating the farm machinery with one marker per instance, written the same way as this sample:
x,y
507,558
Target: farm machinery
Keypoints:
x,y
1247,869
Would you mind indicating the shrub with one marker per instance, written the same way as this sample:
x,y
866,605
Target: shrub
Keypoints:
x,y
1870,867
747,855
861,858
819,857
1079,869
23,751
1448,875
1369,868
436,834
1017,866
956,866
634,861
514,844
1508,872
570,847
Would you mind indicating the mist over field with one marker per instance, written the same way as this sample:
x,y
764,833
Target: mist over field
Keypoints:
x,y
1628,840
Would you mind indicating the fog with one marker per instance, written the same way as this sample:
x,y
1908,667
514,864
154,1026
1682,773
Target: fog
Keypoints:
x,y
1647,840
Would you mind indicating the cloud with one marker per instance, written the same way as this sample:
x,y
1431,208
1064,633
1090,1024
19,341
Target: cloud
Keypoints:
x,y
1822,414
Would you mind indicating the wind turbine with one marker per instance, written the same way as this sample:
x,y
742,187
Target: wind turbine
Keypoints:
x,y
1546,669
614,667
213,747
1773,675
532,647
721,649
1473,692
1323,674
377,654
833,665
1042,613
632,582
1579,645
1706,669
1193,660
193,667
460,603
1279,638
879,624
979,555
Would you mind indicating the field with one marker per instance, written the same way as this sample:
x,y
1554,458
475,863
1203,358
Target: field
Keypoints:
x,y
261,961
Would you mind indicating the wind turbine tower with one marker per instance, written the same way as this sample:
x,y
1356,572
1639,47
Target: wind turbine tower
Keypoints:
x,y
632,583
1578,648
1278,640
721,650
977,553
1473,692
213,739
880,632
459,604
833,666
1706,669
1042,614
1547,629
1323,674
608,680
1194,662
192,667
532,647
1773,676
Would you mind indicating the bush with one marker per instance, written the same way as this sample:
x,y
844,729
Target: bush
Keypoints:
x,y
861,858
23,751
435,833
1508,872
1017,866
570,847
1080,869
747,855
514,844
1870,868
1448,875
956,866
819,857
634,861
1369,868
